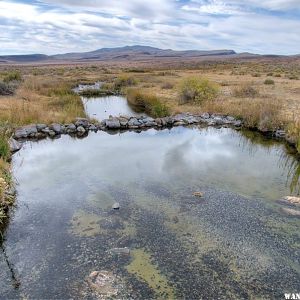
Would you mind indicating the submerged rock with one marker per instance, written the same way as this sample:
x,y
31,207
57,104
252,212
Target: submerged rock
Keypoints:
x,y
291,212
14,145
292,200
124,250
198,194
104,283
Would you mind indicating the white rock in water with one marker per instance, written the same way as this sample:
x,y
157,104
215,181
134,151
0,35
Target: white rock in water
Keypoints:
x,y
292,200
116,205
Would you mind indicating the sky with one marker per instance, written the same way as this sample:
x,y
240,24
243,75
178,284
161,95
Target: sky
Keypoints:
x,y
60,26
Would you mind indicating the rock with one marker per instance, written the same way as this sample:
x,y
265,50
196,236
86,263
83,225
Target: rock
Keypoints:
x,y
230,119
198,194
25,131
52,133
82,122
81,130
178,123
56,128
40,127
219,120
158,121
92,127
237,123
71,128
291,212
175,219
112,123
133,122
124,250
211,122
123,121
116,206
205,116
292,200
46,130
104,283
280,133
14,145
40,135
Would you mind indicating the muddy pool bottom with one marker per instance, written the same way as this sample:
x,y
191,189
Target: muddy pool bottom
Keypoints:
x,y
235,242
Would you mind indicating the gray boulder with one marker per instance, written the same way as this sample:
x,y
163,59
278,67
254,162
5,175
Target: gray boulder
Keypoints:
x,y
81,130
92,127
205,116
82,122
71,128
56,128
14,145
40,127
112,123
25,131
134,122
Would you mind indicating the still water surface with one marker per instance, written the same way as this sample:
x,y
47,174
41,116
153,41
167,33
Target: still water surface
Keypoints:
x,y
100,108
234,242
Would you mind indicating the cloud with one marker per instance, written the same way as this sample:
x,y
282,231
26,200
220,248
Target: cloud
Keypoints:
x,y
52,26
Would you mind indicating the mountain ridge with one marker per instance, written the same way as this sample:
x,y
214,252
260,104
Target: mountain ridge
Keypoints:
x,y
132,53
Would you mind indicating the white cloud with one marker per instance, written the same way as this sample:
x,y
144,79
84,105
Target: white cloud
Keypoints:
x,y
66,26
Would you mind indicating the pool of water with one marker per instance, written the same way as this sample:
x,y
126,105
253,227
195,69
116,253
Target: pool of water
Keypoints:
x,y
100,108
234,242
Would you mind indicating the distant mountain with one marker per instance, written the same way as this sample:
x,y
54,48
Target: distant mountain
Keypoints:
x,y
137,52
120,53
24,58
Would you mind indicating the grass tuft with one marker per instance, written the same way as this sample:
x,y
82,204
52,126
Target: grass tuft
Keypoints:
x,y
147,102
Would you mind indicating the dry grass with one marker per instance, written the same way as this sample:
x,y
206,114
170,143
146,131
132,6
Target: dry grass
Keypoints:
x,y
44,95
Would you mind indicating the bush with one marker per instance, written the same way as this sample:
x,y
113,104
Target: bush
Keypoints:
x,y
198,90
123,81
147,102
269,81
277,75
293,77
246,91
6,89
167,86
12,76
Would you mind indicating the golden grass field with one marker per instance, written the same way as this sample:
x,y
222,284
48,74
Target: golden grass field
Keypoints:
x,y
44,94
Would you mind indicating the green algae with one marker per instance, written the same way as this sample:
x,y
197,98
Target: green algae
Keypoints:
x,y
85,224
143,268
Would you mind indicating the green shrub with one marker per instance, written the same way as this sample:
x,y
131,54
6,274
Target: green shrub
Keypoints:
x,y
6,89
269,81
198,90
277,75
12,76
123,81
147,102
270,74
246,91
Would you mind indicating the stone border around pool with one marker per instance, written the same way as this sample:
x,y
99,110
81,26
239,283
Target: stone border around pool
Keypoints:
x,y
82,126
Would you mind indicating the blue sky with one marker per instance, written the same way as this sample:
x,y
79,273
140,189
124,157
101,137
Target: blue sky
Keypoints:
x,y
59,26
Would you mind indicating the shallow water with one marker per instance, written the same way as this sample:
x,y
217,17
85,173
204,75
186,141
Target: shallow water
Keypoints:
x,y
234,242
100,108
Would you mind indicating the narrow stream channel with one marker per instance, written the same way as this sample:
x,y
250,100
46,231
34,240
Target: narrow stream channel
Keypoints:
x,y
234,242
100,108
